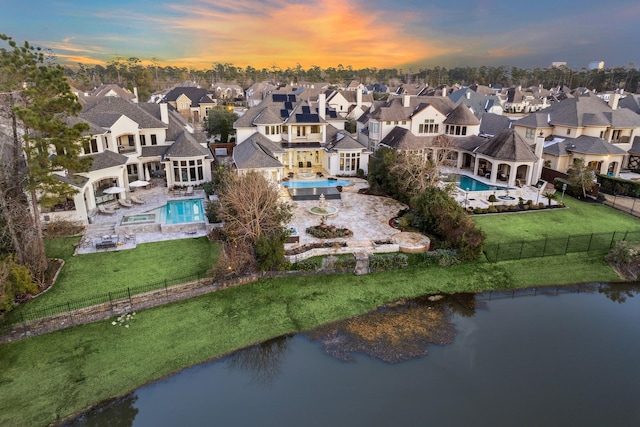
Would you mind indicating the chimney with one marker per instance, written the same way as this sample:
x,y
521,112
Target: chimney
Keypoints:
x,y
444,91
538,150
135,92
359,97
406,101
164,113
468,94
322,105
613,101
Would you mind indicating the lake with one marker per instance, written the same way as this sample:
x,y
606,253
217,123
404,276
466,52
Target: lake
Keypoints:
x,y
538,357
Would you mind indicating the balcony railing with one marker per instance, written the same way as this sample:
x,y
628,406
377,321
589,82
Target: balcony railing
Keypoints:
x,y
126,149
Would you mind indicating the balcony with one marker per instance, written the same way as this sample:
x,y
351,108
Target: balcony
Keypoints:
x,y
126,149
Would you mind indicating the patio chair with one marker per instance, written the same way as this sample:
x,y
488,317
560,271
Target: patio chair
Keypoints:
x,y
135,200
105,210
125,203
189,191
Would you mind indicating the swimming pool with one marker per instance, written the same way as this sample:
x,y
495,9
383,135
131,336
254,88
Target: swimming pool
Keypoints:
x,y
467,183
316,183
181,211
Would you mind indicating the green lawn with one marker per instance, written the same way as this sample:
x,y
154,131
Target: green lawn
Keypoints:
x,y
578,218
49,377
91,274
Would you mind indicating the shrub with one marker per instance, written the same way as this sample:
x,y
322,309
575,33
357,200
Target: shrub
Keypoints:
x,y
15,281
306,265
387,262
208,188
492,198
492,209
270,252
324,231
211,212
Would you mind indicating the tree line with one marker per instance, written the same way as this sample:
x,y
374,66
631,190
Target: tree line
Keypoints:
x,y
150,76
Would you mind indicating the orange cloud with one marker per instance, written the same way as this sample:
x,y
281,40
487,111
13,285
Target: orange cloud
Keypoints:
x,y
325,34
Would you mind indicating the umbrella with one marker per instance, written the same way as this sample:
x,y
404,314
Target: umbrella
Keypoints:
x,y
138,183
113,190
147,174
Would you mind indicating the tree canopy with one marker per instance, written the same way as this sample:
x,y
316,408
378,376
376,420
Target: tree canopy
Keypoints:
x,y
219,121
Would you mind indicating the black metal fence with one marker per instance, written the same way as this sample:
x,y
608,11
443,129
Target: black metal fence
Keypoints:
x,y
553,246
71,305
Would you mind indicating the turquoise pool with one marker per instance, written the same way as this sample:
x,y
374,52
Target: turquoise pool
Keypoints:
x,y
181,211
315,183
465,182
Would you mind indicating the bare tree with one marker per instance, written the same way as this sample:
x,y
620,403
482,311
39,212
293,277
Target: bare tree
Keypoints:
x,y
250,207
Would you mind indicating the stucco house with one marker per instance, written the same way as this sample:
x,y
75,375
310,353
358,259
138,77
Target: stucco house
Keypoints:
x,y
288,134
349,103
193,103
131,142
584,127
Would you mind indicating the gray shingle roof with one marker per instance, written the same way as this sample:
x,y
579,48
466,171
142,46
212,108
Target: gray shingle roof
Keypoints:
x,y
256,152
535,120
104,111
402,139
153,150
508,145
195,94
107,159
338,139
186,146
635,148
582,144
393,109
461,115
492,124
632,102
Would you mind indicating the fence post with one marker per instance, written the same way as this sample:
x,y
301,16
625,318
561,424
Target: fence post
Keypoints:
x,y
70,315
497,252
613,239
166,291
24,324
589,246
544,248
521,248
566,247
130,301
111,302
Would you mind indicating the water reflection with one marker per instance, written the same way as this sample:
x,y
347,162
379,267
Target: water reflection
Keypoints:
x,y
619,292
264,361
396,332
121,413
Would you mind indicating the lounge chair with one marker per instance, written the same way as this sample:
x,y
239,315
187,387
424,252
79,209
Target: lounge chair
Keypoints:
x,y
135,200
189,191
105,210
125,203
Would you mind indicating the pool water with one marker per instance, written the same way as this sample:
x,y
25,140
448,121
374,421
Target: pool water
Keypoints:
x,y
467,183
182,211
316,183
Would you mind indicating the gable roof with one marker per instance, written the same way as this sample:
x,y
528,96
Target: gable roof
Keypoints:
x,y
338,139
492,124
195,94
106,159
403,139
394,109
508,145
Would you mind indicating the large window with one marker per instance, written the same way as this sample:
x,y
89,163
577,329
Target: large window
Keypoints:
x,y
154,140
429,126
349,162
187,171
456,130
143,140
90,146
530,133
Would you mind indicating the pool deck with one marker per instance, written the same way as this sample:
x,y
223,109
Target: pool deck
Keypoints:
x,y
108,227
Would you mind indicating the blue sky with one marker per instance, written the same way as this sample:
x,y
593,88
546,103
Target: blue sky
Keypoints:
x,y
360,33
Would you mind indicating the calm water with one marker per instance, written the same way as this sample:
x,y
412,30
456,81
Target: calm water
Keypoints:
x,y
182,211
315,183
548,360
466,182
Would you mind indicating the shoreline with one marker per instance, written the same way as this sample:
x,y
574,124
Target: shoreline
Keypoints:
x,y
239,317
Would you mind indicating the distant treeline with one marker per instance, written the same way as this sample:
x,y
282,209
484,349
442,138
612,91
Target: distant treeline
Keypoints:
x,y
153,77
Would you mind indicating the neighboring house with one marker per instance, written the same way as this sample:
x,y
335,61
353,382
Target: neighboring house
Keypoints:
x,y
131,142
287,134
424,116
193,103
565,125
522,102
108,90
477,102
349,104
255,94
224,91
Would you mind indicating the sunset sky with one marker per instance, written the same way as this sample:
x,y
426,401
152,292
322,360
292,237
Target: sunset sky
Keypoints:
x,y
326,33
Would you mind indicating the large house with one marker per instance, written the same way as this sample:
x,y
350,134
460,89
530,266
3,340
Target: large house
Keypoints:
x,y
193,103
585,127
131,142
287,133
